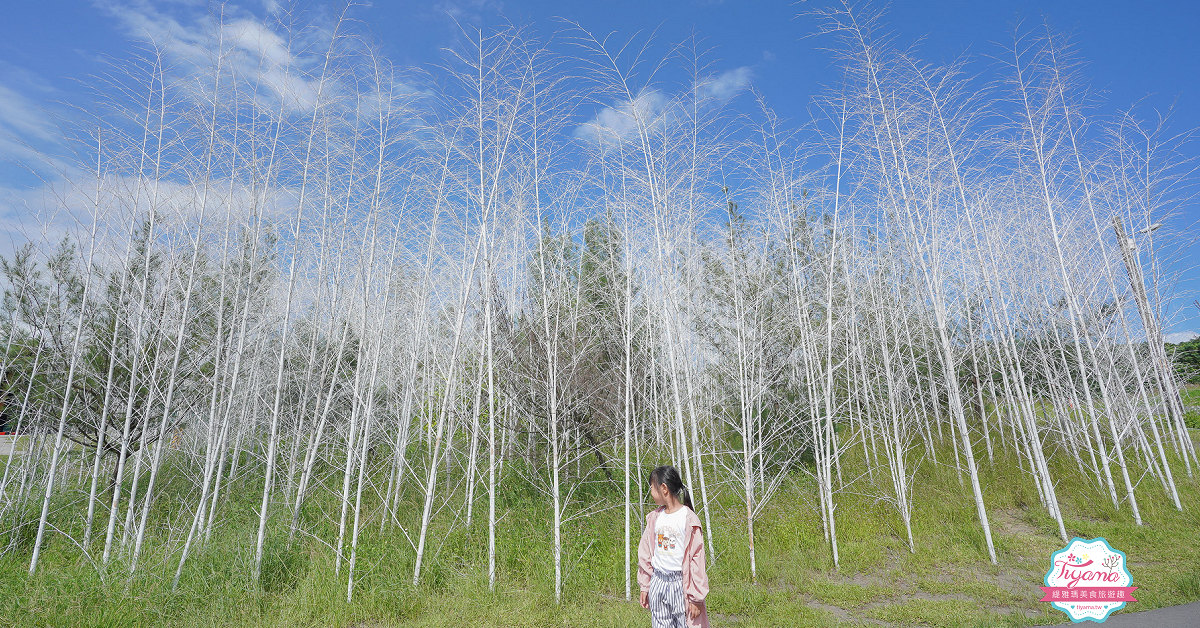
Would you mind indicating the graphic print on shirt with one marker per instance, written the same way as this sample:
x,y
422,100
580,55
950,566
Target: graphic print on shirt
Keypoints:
x,y
669,540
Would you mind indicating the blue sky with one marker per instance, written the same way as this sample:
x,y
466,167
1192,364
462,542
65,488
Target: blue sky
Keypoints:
x,y
1133,53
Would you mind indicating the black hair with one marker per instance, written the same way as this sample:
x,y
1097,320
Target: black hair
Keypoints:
x,y
669,475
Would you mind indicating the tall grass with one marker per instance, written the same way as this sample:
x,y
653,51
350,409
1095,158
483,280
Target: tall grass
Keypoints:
x,y
948,581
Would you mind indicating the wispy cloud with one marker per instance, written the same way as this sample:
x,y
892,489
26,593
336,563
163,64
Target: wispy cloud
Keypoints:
x,y
70,208
468,11
652,107
21,116
30,139
1180,336
23,128
257,47
726,85
621,122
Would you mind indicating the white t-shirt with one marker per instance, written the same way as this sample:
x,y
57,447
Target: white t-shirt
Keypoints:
x,y
670,535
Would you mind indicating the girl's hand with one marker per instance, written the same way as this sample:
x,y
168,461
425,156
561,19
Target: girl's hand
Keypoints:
x,y
645,599
693,609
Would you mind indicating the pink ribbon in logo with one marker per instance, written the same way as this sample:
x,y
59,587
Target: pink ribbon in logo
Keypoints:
x,y
1088,594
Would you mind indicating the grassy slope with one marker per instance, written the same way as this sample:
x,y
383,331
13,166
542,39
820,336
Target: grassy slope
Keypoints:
x,y
947,582
1191,403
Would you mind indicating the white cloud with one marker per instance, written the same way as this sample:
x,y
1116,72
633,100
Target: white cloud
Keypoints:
x,y
67,208
468,11
1180,336
61,200
726,85
193,38
29,138
653,108
30,145
21,116
254,37
48,205
621,122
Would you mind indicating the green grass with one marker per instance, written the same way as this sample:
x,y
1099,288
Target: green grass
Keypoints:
x,y
948,581
1191,405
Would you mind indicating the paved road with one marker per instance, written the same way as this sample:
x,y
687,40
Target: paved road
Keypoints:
x,y
1184,616
6,444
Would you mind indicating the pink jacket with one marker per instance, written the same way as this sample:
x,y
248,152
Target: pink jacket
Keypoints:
x,y
695,578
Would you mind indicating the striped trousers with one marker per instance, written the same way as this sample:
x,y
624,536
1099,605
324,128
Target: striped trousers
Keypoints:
x,y
667,606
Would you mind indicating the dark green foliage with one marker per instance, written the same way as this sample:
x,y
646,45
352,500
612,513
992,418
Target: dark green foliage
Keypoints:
x,y
1186,358
582,293
128,338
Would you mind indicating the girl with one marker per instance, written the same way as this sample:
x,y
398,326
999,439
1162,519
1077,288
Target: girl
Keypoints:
x,y
671,556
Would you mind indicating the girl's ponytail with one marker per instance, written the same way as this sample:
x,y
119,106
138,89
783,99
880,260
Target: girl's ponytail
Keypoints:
x,y
685,496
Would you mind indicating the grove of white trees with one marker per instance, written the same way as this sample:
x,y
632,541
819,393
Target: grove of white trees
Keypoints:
x,y
541,264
